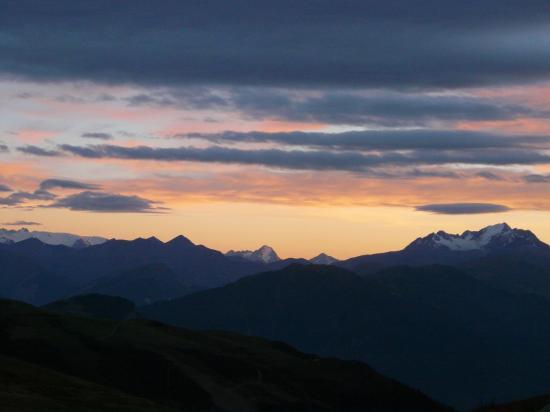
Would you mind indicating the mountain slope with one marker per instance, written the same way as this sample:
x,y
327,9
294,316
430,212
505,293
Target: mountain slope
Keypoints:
x,y
435,328
142,285
94,306
25,387
192,371
21,277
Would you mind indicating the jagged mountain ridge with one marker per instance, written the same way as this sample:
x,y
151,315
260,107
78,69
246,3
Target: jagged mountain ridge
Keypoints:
x,y
494,237
453,249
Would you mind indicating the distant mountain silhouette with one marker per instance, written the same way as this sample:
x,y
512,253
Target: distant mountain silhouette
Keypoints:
x,y
70,363
435,327
143,270
142,285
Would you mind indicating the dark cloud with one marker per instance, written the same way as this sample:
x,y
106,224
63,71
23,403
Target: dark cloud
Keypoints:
x,y
536,178
383,139
65,184
105,202
463,208
4,188
97,135
4,148
38,151
18,198
384,108
43,193
22,223
367,43
314,159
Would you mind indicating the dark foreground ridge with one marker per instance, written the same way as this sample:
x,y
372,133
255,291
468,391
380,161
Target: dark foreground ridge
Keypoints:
x,y
50,361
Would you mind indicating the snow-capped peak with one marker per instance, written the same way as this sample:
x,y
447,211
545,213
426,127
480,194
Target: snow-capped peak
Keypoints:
x,y
494,236
51,238
264,254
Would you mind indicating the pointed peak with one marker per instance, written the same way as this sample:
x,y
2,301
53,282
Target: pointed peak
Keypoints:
x,y
180,240
497,228
265,254
323,259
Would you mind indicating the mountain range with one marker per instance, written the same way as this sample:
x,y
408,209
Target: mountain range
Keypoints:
x,y
445,248
144,270
463,317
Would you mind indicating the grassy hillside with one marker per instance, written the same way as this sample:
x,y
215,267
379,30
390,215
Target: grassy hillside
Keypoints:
x,y
81,364
94,306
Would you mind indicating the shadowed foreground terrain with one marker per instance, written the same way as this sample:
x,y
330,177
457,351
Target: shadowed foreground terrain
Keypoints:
x,y
58,362
535,404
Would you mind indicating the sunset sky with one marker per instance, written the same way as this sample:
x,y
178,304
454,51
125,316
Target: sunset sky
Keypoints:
x,y
344,127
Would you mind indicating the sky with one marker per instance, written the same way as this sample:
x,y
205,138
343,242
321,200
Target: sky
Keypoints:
x,y
344,127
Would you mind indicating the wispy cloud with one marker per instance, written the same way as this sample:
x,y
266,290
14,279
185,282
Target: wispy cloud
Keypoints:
x,y
65,184
97,135
536,178
38,151
22,223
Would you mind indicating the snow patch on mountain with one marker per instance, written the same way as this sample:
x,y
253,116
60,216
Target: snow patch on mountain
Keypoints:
x,y
50,238
499,235
265,254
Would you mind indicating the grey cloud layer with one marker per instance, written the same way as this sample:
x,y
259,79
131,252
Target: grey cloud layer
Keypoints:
x,y
311,160
65,184
105,202
367,43
89,200
384,139
374,107
37,151
463,208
